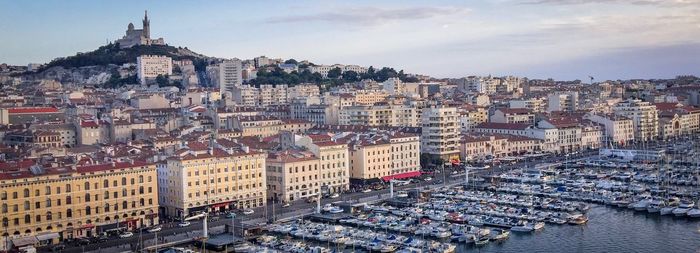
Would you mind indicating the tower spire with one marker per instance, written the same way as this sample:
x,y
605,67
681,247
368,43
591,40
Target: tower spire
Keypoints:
x,y
146,25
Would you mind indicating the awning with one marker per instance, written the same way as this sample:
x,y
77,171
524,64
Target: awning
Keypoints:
x,y
24,241
87,226
224,204
402,175
47,236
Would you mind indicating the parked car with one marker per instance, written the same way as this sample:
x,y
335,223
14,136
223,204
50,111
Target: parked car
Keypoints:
x,y
286,205
214,218
184,224
248,212
58,247
102,238
230,215
155,229
126,235
367,190
82,241
335,196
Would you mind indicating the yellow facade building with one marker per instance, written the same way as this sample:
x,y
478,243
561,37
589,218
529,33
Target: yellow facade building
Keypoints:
x,y
62,202
199,179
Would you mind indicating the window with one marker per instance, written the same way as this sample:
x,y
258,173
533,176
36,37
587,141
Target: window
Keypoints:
x,y
69,213
38,218
48,202
26,193
4,208
88,210
105,184
87,197
87,186
48,190
123,181
26,205
68,200
37,205
125,205
49,216
133,181
14,195
140,189
106,207
27,219
140,179
106,195
68,189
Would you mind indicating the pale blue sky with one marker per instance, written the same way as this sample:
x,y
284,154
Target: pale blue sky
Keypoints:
x,y
563,39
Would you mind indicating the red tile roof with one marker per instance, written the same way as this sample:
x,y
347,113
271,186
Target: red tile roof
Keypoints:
x,y
20,110
515,110
509,126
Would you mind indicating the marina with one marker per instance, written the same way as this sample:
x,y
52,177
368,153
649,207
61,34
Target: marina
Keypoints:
x,y
591,205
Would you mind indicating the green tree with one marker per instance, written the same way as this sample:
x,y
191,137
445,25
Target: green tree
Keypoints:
x,y
351,76
291,61
163,80
334,73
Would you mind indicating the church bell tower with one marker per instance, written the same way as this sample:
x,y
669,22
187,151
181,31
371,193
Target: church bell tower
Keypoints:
x,y
146,26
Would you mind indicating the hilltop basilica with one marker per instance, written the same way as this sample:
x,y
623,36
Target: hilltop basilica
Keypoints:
x,y
135,37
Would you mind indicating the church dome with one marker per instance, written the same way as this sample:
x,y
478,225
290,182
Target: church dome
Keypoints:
x,y
131,26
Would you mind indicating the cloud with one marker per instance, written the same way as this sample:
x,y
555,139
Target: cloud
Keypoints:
x,y
371,15
668,3
623,63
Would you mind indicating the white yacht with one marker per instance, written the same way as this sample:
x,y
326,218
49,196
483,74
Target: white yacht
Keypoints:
x,y
655,205
683,208
641,205
694,213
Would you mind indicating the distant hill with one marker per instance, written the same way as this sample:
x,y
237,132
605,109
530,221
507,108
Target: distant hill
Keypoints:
x,y
112,54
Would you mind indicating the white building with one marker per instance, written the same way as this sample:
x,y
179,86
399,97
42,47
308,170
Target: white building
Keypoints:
x,y
148,67
393,86
440,132
619,130
562,101
643,114
230,75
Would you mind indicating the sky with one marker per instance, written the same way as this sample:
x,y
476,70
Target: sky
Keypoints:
x,y
560,39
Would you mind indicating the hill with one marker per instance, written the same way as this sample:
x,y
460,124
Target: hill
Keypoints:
x,y
112,54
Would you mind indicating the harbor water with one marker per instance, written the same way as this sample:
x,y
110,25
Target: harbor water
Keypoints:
x,y
609,230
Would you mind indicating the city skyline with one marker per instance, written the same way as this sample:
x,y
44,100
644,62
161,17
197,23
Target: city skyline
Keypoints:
x,y
566,39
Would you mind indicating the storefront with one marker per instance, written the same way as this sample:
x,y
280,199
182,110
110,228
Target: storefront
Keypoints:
x,y
129,224
47,238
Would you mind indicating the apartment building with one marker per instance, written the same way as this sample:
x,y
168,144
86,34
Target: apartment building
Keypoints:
x,y
260,126
54,202
618,130
471,116
334,159
216,177
383,155
568,133
292,174
440,132
379,115
562,101
644,116
370,97
511,115
303,90
148,67
230,75
535,104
